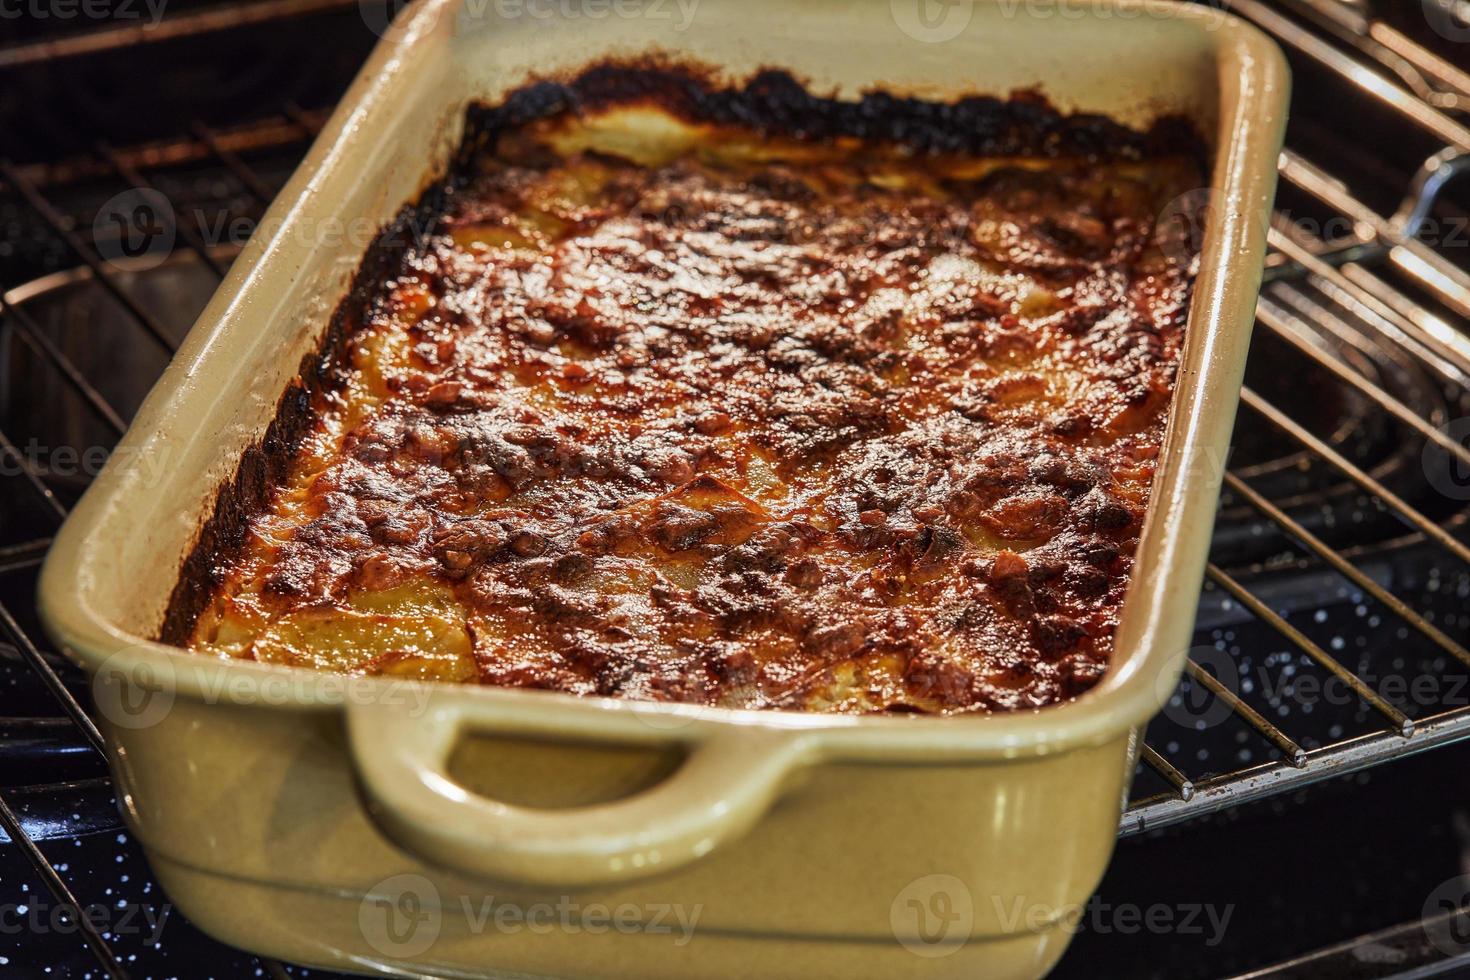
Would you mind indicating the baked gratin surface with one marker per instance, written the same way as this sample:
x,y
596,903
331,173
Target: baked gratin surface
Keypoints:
x,y
691,411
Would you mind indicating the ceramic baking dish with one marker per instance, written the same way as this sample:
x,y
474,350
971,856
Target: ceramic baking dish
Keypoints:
x,y
386,826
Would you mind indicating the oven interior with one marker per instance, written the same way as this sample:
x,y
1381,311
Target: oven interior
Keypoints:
x,y
1290,780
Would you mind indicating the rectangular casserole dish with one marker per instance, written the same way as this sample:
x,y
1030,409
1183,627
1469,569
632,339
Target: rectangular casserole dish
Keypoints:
x,y
365,824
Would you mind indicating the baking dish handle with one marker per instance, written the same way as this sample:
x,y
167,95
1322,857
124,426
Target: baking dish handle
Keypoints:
x,y
724,785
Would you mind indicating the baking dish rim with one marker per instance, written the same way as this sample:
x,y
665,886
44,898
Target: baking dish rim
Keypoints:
x,y
1142,672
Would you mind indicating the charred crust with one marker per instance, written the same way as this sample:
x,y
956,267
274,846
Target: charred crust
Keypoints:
x,y
775,102
970,544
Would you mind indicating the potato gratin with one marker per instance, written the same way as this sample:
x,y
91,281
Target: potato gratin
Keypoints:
x,y
680,395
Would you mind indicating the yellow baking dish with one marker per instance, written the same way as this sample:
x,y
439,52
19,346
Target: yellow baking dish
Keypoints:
x,y
393,826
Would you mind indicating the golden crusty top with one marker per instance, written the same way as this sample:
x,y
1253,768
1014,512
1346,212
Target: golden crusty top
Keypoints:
x,y
679,411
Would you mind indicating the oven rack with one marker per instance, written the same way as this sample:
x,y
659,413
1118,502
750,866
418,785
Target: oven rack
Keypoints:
x,y
1346,270
1370,58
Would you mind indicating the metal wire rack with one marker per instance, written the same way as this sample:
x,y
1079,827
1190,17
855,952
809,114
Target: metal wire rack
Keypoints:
x,y
288,130
1353,300
1377,284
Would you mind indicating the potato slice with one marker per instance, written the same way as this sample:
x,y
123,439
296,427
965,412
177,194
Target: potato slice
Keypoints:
x,y
424,647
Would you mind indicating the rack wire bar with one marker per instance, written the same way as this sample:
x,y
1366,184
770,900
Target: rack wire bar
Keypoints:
x,y
1369,304
1346,568
1408,104
1294,753
125,169
1399,721
310,123
1409,947
1166,769
31,654
1339,271
24,555
246,175
83,251
106,958
27,328
1446,72
1449,284
1338,759
51,679
221,18
1347,468
264,134
28,470
1392,48
1295,332
1427,321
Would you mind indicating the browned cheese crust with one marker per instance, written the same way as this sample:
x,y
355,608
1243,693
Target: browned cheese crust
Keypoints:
x,y
736,418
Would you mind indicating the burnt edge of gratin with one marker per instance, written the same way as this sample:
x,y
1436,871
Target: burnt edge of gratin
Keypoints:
x,y
771,102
